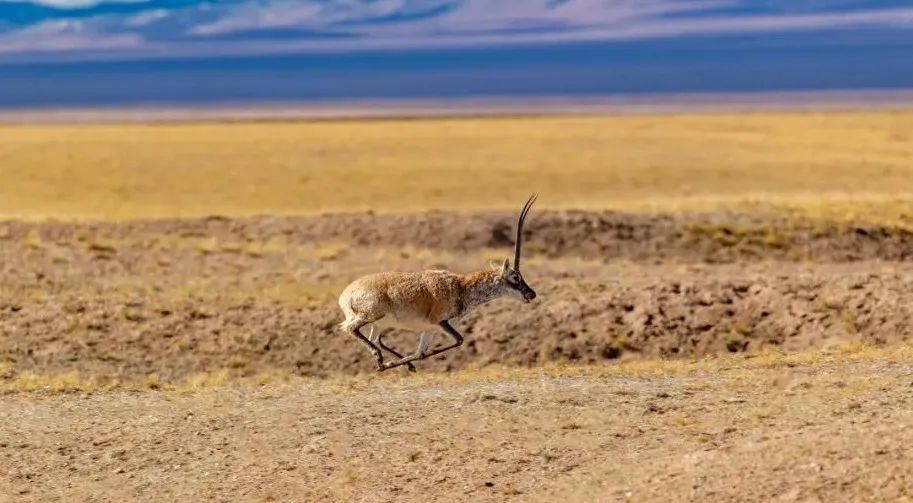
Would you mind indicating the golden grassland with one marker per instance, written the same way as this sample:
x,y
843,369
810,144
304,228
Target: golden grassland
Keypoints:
x,y
853,164
742,366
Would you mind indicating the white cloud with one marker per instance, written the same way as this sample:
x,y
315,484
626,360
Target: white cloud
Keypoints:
x,y
490,22
146,18
505,21
72,4
64,35
223,27
295,14
249,16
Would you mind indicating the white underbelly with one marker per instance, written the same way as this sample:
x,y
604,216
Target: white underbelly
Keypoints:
x,y
404,322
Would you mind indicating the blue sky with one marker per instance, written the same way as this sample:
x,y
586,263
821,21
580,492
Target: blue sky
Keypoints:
x,y
73,52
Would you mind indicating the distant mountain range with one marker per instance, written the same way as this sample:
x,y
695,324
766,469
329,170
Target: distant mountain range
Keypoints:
x,y
113,52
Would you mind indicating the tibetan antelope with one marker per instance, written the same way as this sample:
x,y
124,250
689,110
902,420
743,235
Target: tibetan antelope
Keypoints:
x,y
427,300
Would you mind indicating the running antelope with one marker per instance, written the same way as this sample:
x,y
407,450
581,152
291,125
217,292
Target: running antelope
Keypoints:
x,y
427,300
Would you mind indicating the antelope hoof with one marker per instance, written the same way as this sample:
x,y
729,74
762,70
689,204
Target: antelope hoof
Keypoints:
x,y
389,365
386,366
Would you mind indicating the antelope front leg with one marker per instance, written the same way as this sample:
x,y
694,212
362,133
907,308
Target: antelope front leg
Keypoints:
x,y
454,336
421,354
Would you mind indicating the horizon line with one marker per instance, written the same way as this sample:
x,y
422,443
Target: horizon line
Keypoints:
x,y
465,107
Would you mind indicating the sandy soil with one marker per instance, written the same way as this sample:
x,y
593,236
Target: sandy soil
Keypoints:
x,y
826,431
197,359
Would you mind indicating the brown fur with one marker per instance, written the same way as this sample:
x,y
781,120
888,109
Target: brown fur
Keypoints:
x,y
417,298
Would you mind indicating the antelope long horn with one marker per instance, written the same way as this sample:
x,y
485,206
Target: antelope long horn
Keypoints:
x,y
519,242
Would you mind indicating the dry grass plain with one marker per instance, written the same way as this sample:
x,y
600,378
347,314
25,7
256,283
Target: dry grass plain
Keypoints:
x,y
653,162
724,312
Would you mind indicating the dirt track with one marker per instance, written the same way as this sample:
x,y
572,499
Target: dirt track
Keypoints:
x,y
175,298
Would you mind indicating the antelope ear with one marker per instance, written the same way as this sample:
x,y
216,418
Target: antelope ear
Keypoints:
x,y
505,267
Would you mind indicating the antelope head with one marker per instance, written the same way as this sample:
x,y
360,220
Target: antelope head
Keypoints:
x,y
511,277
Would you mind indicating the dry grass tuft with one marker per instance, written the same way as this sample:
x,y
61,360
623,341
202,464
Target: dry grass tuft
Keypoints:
x,y
60,383
203,380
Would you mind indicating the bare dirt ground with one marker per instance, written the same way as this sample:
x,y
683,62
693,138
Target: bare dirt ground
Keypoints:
x,y
825,428
705,357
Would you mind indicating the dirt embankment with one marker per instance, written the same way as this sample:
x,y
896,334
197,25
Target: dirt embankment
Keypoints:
x,y
184,296
605,236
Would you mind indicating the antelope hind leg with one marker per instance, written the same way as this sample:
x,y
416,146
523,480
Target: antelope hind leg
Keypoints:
x,y
379,341
375,351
